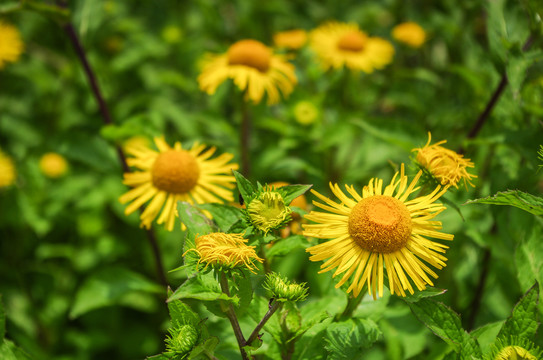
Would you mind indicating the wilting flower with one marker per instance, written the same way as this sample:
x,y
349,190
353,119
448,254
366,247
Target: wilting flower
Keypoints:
x,y
225,251
268,211
7,170
515,348
254,69
382,229
409,33
340,44
53,165
175,174
446,166
11,45
291,39
305,112
282,289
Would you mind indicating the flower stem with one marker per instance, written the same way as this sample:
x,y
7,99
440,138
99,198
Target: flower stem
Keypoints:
x,y
272,308
231,315
352,304
106,116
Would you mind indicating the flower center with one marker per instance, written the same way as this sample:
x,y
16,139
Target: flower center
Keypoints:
x,y
380,224
175,171
268,211
352,41
250,53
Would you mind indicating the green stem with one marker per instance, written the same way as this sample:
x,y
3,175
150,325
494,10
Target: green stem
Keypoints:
x,y
272,308
352,304
231,315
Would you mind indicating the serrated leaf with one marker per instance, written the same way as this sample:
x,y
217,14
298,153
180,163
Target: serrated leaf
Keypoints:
x,y
195,221
201,287
517,198
114,286
523,321
486,335
2,320
529,258
430,291
291,192
345,340
182,314
10,351
207,346
287,245
446,324
246,189
225,216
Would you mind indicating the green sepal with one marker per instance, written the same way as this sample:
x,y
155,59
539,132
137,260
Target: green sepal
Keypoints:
x,y
527,202
202,287
523,321
245,188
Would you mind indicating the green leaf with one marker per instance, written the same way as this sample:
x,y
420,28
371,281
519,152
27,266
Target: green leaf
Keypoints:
x,y
529,258
225,216
428,292
445,323
523,320
244,290
195,221
287,245
486,335
158,357
345,340
291,192
9,351
246,189
517,198
208,345
2,319
115,286
201,287
182,313
497,29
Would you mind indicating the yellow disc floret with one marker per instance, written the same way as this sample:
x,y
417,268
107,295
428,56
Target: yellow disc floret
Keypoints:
x,y
380,224
250,53
175,171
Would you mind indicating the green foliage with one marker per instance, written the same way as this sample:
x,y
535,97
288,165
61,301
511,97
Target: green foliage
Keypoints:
x,y
201,287
523,321
527,202
347,339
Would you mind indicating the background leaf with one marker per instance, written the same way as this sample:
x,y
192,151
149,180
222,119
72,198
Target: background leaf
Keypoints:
x,y
527,202
523,321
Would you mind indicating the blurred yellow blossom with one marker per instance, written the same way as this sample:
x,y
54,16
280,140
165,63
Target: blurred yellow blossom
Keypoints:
x,y
53,165
409,33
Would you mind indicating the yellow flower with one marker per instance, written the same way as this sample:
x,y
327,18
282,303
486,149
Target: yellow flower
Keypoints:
x,y
380,229
225,250
253,68
11,45
341,44
305,112
53,165
291,39
445,165
409,33
514,348
174,174
7,170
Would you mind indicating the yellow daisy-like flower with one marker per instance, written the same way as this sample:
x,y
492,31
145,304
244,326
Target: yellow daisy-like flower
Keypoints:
x,y
291,39
53,165
446,166
11,45
7,170
341,44
225,250
175,174
380,229
254,69
409,33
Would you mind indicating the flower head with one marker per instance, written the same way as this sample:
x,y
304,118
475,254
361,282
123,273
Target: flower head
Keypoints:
x,y
7,170
282,289
175,174
409,33
444,165
380,229
268,211
514,348
254,69
11,45
341,44
53,165
291,39
294,226
225,251
305,112
181,340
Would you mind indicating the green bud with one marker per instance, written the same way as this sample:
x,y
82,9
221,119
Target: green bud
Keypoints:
x,y
281,289
182,339
268,211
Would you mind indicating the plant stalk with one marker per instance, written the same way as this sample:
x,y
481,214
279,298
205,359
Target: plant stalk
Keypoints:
x,y
272,308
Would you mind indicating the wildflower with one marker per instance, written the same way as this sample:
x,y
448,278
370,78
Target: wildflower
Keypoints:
x,y
294,226
282,289
291,39
444,165
340,44
305,112
253,68
7,170
380,229
515,348
268,211
11,45
409,33
175,174
53,165
225,250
